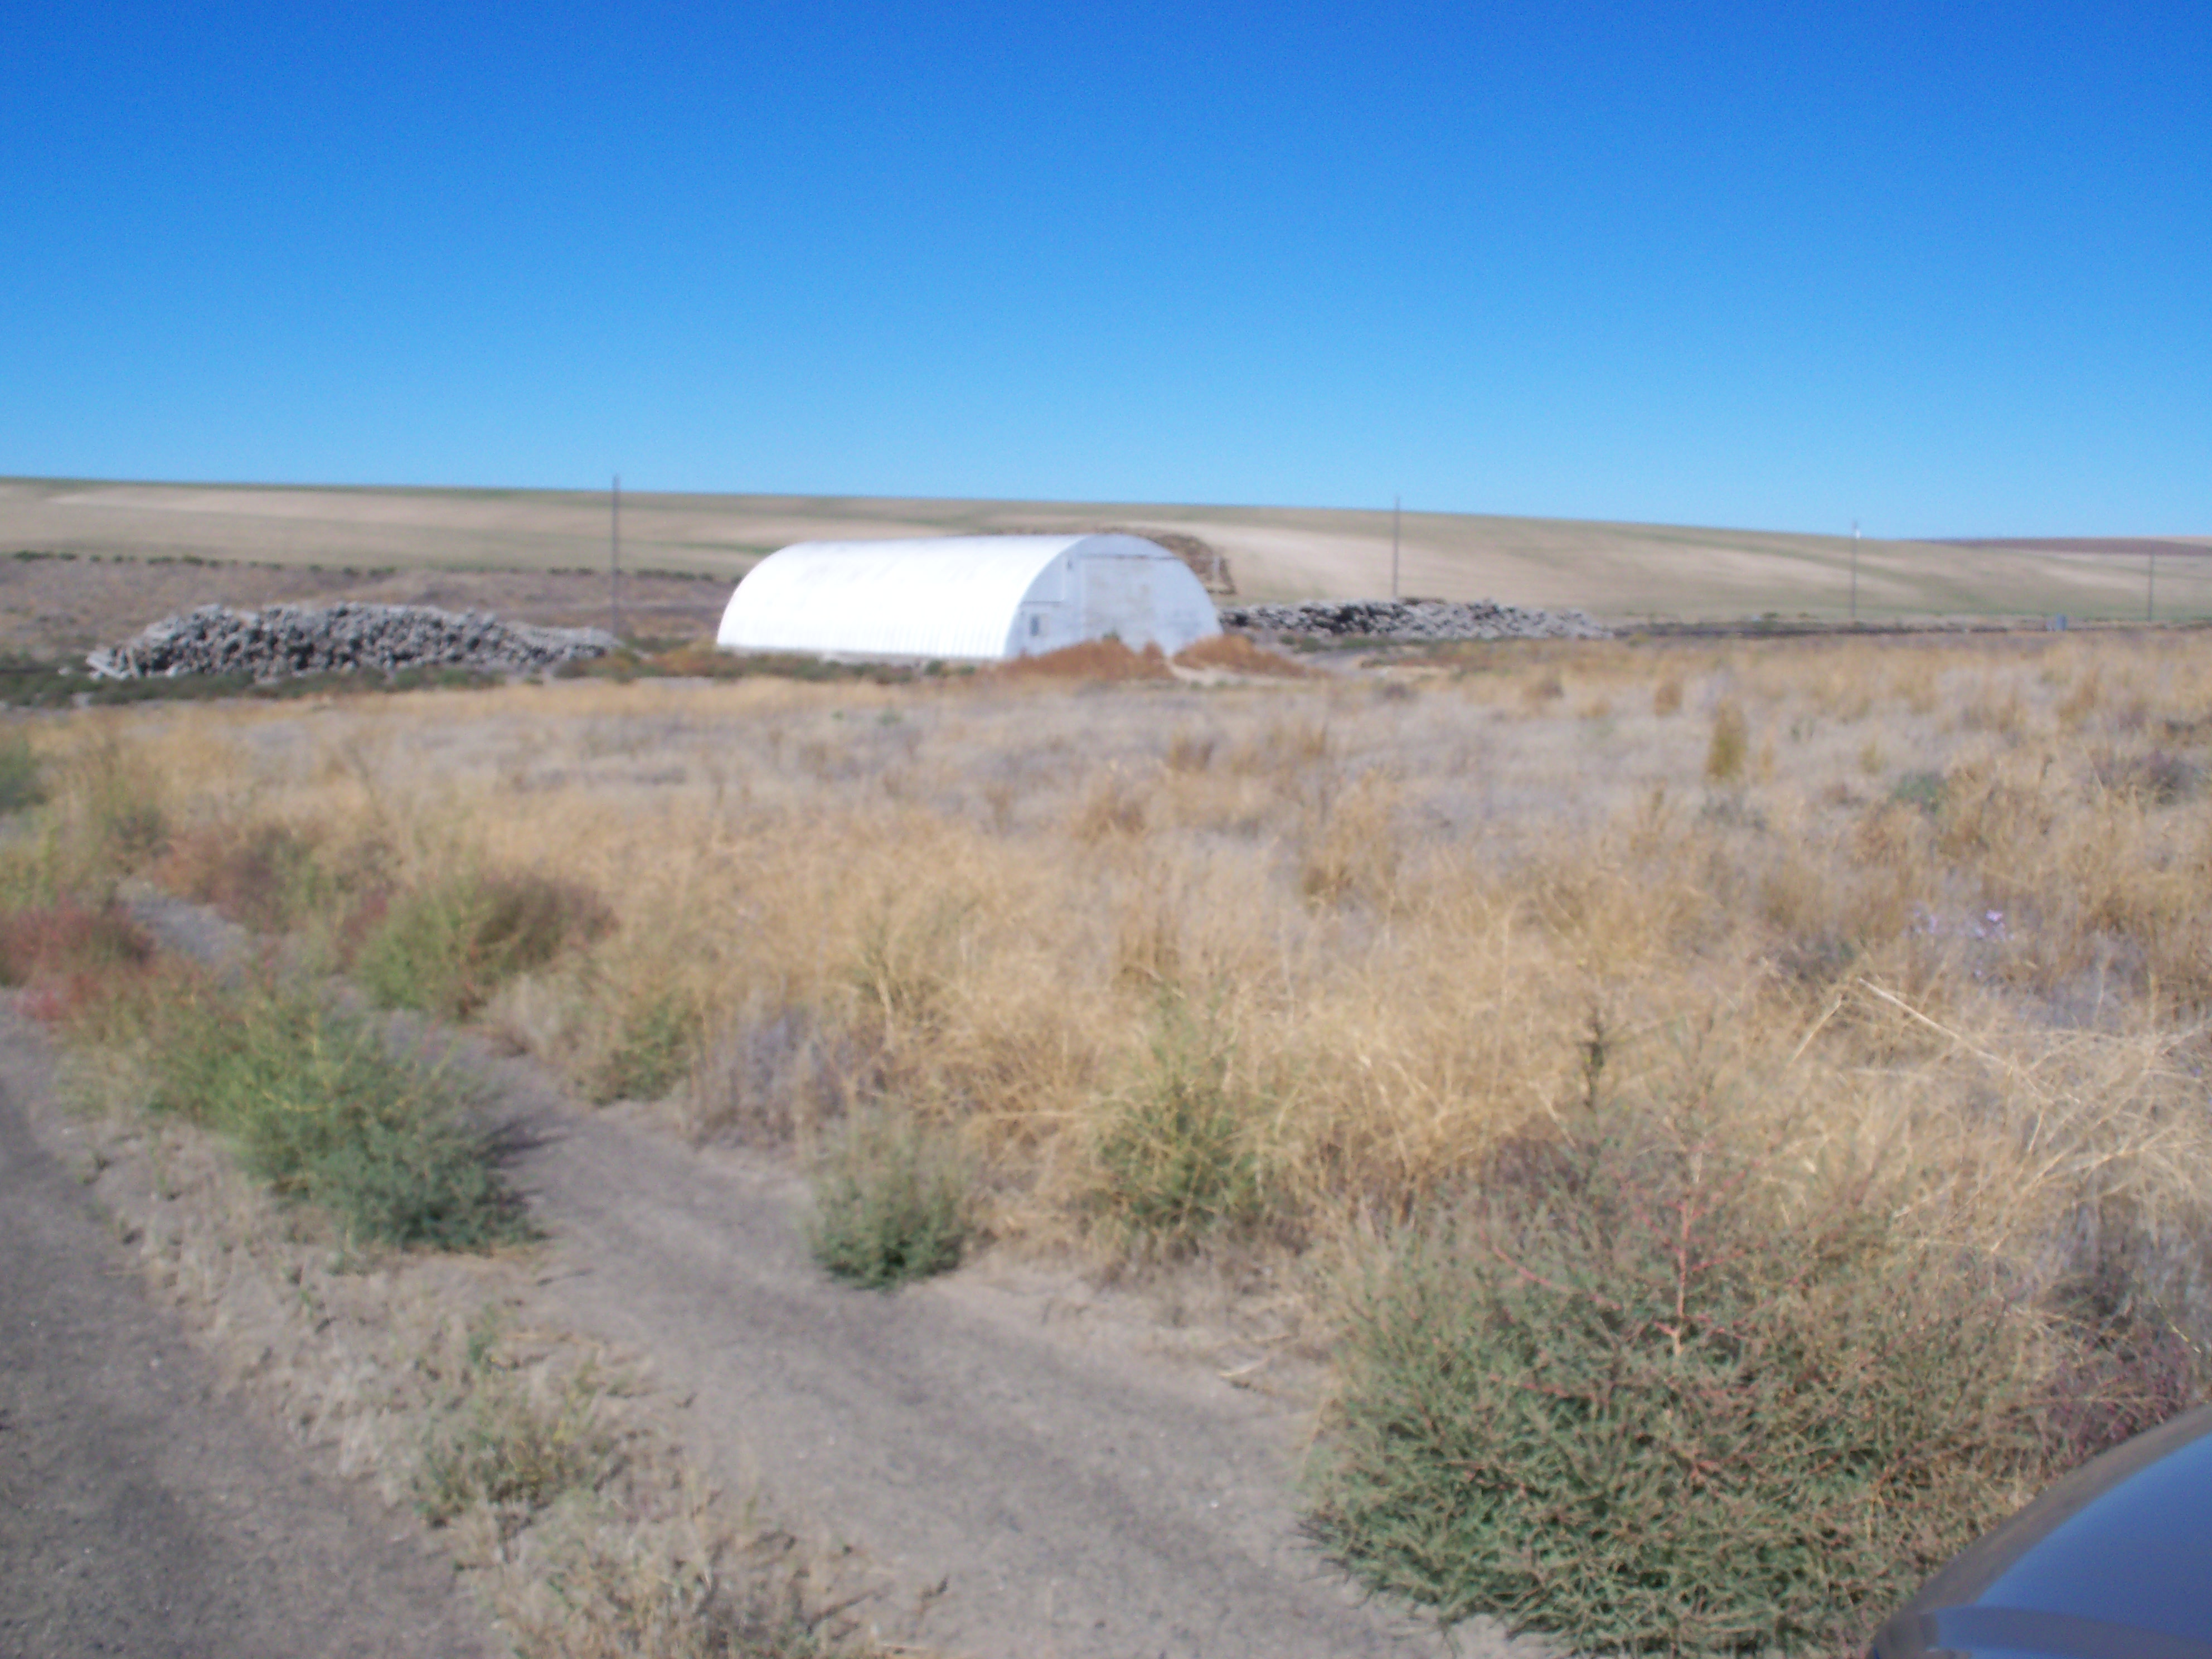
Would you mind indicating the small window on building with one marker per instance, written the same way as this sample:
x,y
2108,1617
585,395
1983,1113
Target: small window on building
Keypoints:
x,y
1035,620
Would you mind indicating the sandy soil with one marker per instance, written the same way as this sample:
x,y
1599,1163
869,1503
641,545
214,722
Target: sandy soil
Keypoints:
x,y
143,1512
1613,570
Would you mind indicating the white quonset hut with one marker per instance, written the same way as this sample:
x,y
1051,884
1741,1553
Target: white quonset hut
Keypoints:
x,y
976,597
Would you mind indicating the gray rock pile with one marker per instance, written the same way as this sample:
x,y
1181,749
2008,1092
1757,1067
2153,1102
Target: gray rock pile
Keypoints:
x,y
343,638
1413,620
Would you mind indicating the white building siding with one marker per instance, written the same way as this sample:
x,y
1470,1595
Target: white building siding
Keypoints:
x,y
975,597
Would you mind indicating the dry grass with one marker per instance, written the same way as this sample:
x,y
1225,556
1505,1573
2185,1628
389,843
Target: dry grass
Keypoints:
x,y
1093,660
1407,905
1236,654
1956,891
963,892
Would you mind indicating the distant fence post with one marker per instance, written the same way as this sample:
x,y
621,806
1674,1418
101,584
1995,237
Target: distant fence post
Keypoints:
x,y
1393,550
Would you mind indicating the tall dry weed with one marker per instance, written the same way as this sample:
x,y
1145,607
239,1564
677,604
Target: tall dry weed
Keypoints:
x,y
1299,967
1730,744
1352,849
1412,906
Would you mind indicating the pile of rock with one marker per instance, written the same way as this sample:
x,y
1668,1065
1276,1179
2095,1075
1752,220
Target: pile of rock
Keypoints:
x,y
1413,620
343,638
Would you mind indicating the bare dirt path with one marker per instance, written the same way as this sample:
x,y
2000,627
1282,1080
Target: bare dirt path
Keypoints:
x,y
1028,1480
1071,1496
142,1514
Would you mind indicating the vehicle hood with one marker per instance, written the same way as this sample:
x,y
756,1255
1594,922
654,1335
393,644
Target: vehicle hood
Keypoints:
x,y
2113,1562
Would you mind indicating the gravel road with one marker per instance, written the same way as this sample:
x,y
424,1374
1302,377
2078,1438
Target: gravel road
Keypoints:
x,y
142,1513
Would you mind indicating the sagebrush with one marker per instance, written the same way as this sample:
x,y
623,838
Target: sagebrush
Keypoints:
x,y
891,1204
1644,1392
323,1111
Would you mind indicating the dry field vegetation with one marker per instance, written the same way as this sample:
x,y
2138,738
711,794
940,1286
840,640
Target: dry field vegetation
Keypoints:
x,y
424,539
1733,1115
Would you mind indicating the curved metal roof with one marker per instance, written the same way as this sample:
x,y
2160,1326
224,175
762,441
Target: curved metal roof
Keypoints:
x,y
952,596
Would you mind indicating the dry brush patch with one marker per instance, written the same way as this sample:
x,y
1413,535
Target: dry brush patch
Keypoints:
x,y
1292,968
1238,653
328,1214
548,1463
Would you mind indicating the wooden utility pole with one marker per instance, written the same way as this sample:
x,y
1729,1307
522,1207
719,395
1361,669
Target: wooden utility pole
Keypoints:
x,y
1394,548
1855,572
614,563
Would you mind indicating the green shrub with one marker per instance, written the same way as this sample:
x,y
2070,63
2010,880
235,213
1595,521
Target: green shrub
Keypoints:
x,y
1924,790
446,948
889,1204
1637,1397
1176,1162
321,1110
659,1039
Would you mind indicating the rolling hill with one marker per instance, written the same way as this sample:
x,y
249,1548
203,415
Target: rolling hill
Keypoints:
x,y
1616,571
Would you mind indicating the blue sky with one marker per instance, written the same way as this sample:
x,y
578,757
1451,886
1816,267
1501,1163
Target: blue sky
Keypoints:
x,y
1944,269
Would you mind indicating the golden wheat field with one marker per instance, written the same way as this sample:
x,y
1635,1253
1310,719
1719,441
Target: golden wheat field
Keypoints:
x,y
1940,904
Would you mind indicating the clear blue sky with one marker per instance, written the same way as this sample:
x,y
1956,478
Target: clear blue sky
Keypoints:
x,y
1943,267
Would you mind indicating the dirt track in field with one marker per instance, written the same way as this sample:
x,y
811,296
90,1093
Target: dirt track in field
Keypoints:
x,y
1029,1467
1032,1468
1007,1452
142,1512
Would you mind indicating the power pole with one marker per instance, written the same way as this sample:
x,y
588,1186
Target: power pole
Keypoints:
x,y
2150,585
614,563
1393,549
1855,572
